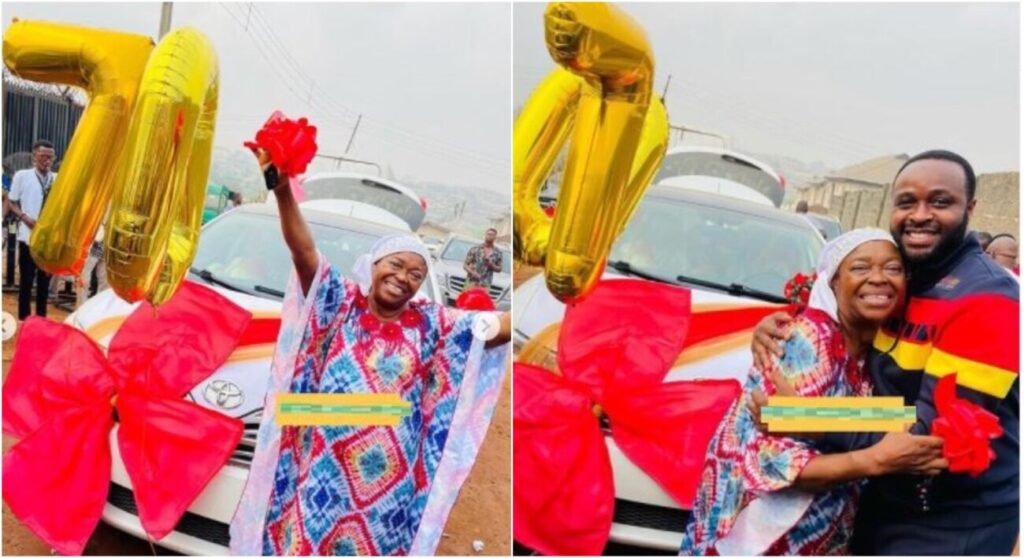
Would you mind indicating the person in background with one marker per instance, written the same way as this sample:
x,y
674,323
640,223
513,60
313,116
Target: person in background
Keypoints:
x,y
10,232
801,206
482,261
234,200
983,238
29,190
93,262
1004,250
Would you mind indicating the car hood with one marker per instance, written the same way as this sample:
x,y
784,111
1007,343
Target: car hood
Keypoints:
x,y
236,389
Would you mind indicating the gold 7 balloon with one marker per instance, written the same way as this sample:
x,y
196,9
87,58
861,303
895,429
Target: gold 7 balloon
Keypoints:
x,y
601,97
141,152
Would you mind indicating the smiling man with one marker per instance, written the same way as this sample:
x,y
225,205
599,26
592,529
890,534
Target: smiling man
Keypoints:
x,y
962,317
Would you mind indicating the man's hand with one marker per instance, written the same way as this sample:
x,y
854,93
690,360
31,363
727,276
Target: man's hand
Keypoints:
x,y
769,334
903,452
29,222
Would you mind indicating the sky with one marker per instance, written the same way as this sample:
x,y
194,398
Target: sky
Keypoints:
x,y
835,83
432,81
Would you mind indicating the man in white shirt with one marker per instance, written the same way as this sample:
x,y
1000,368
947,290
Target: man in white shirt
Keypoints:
x,y
29,191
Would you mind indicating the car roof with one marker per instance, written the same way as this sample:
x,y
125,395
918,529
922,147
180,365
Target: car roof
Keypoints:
x,y
733,204
359,176
719,151
318,217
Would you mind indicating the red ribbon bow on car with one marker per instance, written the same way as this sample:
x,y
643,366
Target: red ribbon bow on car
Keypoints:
x,y
967,430
614,350
60,397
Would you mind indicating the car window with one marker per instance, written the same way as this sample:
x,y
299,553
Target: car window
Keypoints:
x,y
248,250
457,250
670,237
722,166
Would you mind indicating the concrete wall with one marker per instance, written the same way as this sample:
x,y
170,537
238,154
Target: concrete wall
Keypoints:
x,y
997,211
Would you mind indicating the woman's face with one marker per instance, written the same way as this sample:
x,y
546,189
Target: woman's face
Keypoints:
x,y
871,284
397,277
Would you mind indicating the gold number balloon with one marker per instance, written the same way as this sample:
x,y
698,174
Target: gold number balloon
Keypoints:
x,y
161,182
602,100
145,140
108,65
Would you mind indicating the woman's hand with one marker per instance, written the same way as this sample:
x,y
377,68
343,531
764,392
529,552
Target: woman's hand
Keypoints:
x,y
903,452
769,334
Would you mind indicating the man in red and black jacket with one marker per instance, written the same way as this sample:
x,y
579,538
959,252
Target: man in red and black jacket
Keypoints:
x,y
962,317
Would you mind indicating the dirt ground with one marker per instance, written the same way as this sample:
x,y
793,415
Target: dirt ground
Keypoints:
x,y
482,512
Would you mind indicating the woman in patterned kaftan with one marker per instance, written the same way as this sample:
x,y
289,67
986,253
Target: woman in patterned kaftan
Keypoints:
x,y
368,490
781,495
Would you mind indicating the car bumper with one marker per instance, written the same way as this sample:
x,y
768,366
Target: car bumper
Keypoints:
x,y
203,531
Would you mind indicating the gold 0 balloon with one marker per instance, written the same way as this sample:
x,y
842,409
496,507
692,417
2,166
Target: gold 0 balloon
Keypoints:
x,y
540,132
618,139
108,65
158,201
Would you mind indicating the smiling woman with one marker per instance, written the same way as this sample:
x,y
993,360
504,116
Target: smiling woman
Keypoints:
x,y
366,335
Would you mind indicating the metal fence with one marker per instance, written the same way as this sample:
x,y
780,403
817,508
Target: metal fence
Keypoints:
x,y
31,115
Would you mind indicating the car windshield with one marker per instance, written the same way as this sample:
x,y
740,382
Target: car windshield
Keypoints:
x,y
247,251
458,248
668,238
726,167
829,228
369,192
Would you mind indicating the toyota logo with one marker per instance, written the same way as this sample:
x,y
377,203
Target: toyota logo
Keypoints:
x,y
224,394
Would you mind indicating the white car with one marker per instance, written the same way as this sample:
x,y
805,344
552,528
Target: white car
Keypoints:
x,y
242,256
729,252
452,256
723,172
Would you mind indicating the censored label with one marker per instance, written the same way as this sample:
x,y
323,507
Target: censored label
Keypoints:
x,y
837,414
340,409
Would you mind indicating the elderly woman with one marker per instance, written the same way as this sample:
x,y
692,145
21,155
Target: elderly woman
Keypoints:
x,y
775,495
367,490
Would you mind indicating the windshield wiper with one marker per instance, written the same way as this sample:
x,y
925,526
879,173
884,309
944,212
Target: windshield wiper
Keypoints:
x,y
628,269
735,289
207,276
269,291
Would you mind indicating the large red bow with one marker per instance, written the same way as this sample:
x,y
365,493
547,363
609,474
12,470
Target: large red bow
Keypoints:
x,y
60,397
614,350
967,430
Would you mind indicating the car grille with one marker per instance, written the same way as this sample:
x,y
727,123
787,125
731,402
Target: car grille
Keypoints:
x,y
242,457
457,284
191,524
652,517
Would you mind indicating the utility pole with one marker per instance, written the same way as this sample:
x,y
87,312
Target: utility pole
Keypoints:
x,y
165,19
353,136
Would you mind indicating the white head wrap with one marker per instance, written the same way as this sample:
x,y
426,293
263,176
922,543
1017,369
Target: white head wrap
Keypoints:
x,y
833,254
362,271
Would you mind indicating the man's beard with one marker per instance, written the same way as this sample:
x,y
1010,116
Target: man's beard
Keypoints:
x,y
949,242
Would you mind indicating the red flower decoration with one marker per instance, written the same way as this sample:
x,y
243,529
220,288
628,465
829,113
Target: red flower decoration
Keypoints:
x,y
361,301
391,331
798,289
967,430
290,143
369,323
411,318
